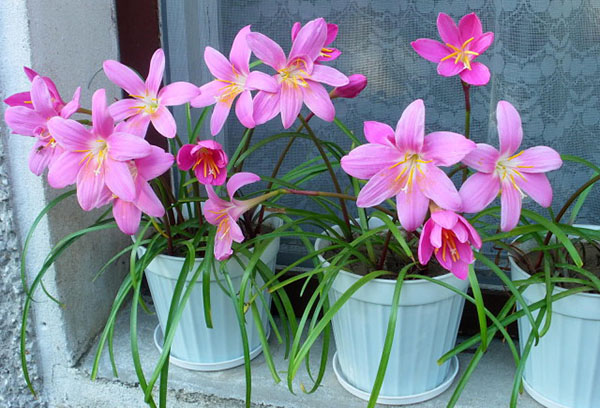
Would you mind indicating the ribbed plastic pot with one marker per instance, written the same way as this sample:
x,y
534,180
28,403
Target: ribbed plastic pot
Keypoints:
x,y
563,370
195,346
427,327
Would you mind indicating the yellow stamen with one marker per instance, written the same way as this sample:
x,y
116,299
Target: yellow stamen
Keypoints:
x,y
460,54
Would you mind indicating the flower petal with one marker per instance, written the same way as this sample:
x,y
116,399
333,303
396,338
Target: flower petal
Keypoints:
x,y
63,170
450,68
147,201
124,108
478,75
185,159
219,66
266,106
243,109
460,269
537,187
366,160
156,71
41,98
208,94
70,108
469,27
510,131
481,44
381,186
240,52
380,133
103,123
223,245
318,101
19,99
123,146
178,93
510,199
124,77
118,179
90,185
290,103
539,159
154,164
257,80
41,156
310,40
425,248
328,75
23,121
412,208
163,122
410,130
266,50
332,32
438,187
127,215
446,148
445,219
239,180
219,116
431,50
69,134
478,191
483,158
448,30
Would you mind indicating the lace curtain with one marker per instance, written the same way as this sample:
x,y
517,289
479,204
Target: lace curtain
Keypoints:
x,y
545,61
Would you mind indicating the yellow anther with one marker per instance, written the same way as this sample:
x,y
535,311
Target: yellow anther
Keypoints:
x,y
460,54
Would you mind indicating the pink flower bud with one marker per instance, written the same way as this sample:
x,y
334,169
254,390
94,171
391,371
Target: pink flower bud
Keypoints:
x,y
357,83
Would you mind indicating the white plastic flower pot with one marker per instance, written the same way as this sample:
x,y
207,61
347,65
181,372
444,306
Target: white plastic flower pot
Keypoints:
x,y
563,369
426,328
195,346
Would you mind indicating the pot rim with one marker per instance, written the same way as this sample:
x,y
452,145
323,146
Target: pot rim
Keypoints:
x,y
514,264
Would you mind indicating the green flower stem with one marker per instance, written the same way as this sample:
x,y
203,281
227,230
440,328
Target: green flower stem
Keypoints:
x,y
84,110
466,87
238,168
385,250
336,184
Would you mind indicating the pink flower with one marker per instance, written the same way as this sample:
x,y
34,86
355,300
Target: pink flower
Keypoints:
x,y
31,119
298,77
513,175
95,158
450,237
404,164
24,98
207,159
462,45
225,214
129,213
327,54
357,83
148,103
233,78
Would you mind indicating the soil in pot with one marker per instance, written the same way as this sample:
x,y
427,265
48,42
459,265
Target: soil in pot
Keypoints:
x,y
590,254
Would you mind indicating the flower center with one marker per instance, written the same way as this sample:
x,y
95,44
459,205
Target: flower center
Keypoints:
x,y
448,245
411,166
508,168
205,157
461,54
148,103
223,227
97,151
294,74
231,89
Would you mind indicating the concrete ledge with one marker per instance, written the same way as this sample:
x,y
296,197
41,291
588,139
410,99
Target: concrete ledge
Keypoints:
x,y
489,387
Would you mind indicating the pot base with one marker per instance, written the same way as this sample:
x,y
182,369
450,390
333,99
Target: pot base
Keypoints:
x,y
540,398
398,400
196,366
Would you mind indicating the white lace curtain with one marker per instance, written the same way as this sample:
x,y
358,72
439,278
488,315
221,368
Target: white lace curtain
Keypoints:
x,y
545,60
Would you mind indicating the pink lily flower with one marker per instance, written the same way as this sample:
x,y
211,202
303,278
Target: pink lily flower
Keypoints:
x,y
357,83
207,159
405,164
232,78
449,236
95,158
24,98
327,53
462,45
148,103
512,175
299,78
129,213
31,119
225,214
